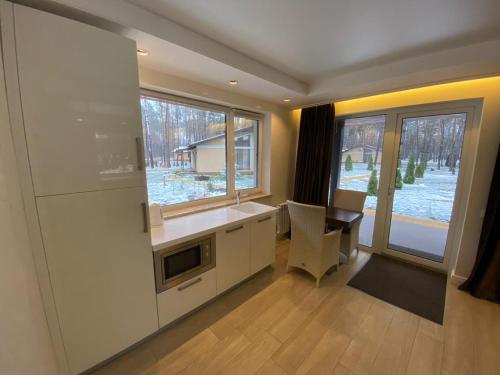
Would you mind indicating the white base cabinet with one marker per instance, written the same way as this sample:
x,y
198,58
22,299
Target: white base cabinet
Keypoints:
x,y
244,250
241,249
232,256
262,243
185,297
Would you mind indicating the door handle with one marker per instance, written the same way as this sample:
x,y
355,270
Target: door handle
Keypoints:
x,y
145,217
265,219
138,149
191,283
391,190
234,229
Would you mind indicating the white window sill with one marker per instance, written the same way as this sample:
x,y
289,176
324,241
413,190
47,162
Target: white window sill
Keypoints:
x,y
210,206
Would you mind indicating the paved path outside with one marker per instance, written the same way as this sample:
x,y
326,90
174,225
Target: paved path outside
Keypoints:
x,y
426,241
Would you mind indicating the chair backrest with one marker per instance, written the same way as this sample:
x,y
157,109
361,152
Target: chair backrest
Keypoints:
x,y
307,225
349,199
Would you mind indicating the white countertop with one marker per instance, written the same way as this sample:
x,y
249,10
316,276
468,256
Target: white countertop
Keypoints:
x,y
187,227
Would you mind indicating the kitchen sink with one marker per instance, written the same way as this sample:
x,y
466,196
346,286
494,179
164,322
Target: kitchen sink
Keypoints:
x,y
247,208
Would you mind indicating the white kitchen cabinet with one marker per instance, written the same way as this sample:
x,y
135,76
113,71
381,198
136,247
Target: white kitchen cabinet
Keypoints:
x,y
101,270
185,297
80,98
262,242
232,255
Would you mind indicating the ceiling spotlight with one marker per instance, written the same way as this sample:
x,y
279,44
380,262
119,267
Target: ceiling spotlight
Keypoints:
x,y
233,82
142,52
287,100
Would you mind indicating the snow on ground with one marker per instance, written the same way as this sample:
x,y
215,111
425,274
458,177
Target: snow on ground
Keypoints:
x,y
430,197
168,187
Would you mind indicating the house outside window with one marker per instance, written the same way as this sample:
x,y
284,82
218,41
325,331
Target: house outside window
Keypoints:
x,y
197,152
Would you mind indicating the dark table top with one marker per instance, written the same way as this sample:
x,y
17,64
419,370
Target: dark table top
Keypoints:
x,y
338,217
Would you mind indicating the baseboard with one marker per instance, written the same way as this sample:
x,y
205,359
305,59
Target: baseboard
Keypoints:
x,y
282,236
456,279
367,249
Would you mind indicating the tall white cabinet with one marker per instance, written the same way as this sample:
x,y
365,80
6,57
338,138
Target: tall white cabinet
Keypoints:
x,y
79,98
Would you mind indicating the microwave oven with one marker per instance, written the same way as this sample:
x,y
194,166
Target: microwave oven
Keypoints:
x,y
182,262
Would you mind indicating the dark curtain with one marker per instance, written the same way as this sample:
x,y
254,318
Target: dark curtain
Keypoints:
x,y
336,159
484,281
314,155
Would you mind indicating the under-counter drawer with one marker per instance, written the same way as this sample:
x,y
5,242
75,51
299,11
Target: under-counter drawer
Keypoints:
x,y
183,298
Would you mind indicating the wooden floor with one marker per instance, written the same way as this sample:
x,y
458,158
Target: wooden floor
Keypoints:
x,y
278,323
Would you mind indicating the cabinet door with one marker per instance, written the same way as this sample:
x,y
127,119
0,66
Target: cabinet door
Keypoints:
x,y
232,256
101,268
80,97
263,243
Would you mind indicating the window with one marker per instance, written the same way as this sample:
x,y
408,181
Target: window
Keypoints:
x,y
246,140
186,148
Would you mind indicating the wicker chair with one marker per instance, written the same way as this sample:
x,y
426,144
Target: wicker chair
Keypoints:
x,y
311,248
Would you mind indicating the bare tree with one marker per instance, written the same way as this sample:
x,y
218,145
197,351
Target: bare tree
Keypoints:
x,y
379,145
441,143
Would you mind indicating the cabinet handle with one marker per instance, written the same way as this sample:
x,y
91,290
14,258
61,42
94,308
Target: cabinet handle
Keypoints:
x,y
140,159
191,283
265,219
234,229
145,217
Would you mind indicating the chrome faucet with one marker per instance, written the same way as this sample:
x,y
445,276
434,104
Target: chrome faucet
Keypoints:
x,y
237,193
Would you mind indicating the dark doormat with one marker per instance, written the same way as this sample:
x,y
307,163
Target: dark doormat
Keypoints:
x,y
415,289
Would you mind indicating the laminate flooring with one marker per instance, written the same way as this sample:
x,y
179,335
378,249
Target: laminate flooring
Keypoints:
x,y
279,323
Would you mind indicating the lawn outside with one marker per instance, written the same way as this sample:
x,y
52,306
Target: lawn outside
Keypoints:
x,y
429,198
177,185
421,211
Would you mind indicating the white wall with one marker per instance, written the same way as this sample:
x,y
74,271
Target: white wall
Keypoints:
x,y
25,344
279,131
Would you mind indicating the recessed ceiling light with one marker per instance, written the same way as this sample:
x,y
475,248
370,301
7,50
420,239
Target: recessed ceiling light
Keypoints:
x,y
287,100
142,52
233,82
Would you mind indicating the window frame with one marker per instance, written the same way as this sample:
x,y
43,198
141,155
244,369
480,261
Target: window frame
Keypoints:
x,y
259,118
230,114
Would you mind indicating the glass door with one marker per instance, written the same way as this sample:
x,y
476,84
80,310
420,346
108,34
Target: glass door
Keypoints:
x,y
425,171
362,145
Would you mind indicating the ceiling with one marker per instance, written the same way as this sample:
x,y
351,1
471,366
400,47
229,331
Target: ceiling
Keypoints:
x,y
312,39
182,62
311,50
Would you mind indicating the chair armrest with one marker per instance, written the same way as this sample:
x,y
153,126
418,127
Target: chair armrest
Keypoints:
x,y
333,238
333,233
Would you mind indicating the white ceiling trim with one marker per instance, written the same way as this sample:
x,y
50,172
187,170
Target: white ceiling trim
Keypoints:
x,y
130,16
472,61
